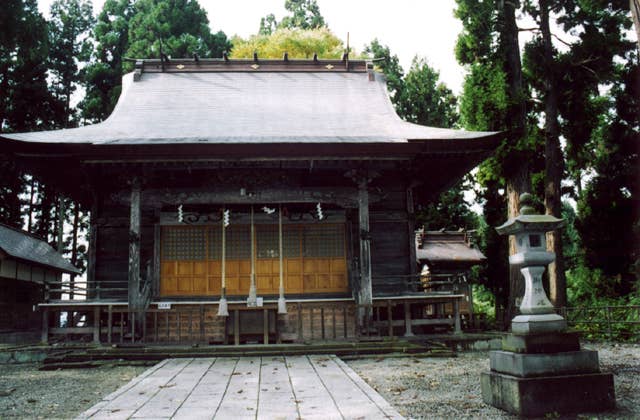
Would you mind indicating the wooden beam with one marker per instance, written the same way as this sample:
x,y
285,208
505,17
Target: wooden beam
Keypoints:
x,y
155,198
134,247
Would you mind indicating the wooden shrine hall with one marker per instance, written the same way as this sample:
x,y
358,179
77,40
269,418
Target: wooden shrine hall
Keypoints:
x,y
249,200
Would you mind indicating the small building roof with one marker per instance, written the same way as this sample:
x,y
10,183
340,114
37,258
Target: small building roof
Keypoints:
x,y
446,247
254,102
24,246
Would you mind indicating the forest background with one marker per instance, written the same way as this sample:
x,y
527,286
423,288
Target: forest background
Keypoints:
x,y
568,100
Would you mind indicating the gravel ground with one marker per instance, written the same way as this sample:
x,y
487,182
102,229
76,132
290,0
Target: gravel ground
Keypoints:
x,y
450,387
26,392
418,388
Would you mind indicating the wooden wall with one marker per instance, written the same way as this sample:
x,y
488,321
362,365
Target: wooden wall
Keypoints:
x,y
389,229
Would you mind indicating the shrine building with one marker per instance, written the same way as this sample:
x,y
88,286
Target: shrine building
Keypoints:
x,y
243,200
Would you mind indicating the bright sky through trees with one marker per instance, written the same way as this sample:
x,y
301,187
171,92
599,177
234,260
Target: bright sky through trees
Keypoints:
x,y
409,27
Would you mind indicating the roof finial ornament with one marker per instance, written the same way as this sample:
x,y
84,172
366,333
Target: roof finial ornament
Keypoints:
x,y
285,56
225,56
195,57
255,56
315,57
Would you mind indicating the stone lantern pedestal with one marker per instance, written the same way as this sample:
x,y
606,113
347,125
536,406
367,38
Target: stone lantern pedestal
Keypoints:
x,y
541,368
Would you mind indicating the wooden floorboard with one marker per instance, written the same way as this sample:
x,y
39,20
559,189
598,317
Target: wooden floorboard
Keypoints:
x,y
266,387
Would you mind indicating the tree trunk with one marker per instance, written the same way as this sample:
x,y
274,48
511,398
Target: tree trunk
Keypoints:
x,y
74,246
517,171
554,163
32,193
517,184
634,5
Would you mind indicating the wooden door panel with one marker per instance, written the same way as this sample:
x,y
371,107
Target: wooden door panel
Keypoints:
x,y
215,283
185,268
185,284
200,285
169,286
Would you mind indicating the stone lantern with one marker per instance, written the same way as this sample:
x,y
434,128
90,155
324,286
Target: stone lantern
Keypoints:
x,y
541,368
532,257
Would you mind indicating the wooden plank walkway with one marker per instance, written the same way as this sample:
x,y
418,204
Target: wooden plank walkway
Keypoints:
x,y
270,387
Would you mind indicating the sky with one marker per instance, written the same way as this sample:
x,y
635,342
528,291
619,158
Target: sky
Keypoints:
x,y
425,28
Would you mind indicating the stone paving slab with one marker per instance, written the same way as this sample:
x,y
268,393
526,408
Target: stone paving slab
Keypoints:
x,y
270,387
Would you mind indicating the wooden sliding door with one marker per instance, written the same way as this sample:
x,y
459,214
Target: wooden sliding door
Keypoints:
x,y
313,255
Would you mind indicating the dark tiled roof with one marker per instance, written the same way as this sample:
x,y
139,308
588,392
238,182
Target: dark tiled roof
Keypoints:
x,y
231,107
23,246
447,247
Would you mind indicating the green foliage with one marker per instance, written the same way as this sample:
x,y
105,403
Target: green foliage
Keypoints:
x,y
25,101
477,42
177,28
299,43
70,46
484,302
484,102
104,74
449,212
424,99
304,14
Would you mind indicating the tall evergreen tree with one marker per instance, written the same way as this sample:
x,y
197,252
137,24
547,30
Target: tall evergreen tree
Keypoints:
x,y
424,99
389,64
104,74
25,102
304,14
178,28
69,33
495,99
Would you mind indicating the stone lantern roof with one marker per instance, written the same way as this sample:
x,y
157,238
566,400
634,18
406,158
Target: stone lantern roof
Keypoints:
x,y
528,220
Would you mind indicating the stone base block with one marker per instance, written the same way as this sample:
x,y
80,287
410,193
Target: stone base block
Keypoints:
x,y
550,394
542,343
531,365
534,324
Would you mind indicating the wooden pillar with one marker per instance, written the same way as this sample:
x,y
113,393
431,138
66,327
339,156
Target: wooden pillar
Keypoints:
x,y
456,316
407,320
134,247
411,227
365,294
96,324
45,326
91,251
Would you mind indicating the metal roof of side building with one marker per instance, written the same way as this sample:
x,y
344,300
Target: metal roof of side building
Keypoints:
x,y
251,102
447,247
26,247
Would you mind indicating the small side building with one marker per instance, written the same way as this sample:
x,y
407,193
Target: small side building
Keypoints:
x,y
445,259
27,265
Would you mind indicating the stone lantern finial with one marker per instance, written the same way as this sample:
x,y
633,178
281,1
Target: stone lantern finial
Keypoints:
x,y
526,204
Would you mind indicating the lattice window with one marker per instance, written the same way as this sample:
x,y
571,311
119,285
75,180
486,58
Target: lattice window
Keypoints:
x,y
238,242
267,241
323,241
291,241
180,244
